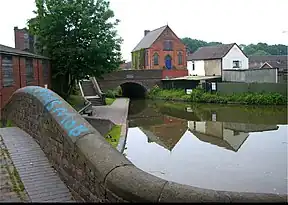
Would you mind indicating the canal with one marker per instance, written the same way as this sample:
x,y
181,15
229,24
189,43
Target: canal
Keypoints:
x,y
222,147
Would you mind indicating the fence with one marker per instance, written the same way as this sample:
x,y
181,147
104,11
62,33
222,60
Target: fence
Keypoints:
x,y
252,75
230,88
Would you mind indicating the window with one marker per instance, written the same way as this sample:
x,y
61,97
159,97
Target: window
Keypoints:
x,y
180,58
29,71
236,64
156,59
168,45
7,71
193,65
45,71
146,58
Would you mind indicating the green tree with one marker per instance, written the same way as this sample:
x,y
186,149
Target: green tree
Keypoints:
x,y
260,53
80,38
251,49
194,44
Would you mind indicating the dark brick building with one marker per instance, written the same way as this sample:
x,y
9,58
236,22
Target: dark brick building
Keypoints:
x,y
23,40
159,49
19,69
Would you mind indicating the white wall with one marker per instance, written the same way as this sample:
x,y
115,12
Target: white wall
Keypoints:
x,y
199,68
234,54
200,126
235,141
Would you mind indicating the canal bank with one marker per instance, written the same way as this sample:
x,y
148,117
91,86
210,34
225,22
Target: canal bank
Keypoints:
x,y
198,95
117,113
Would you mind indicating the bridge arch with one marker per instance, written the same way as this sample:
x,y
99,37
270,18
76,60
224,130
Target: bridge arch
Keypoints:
x,y
133,89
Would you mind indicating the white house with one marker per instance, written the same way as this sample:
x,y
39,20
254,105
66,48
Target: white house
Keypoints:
x,y
211,60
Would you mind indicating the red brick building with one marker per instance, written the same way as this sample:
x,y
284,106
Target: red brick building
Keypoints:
x,y
19,69
160,49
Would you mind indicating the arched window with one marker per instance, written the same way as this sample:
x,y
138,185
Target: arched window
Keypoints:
x,y
180,58
167,45
146,58
155,59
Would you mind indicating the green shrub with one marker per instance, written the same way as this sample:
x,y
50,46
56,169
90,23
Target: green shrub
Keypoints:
x,y
110,93
199,95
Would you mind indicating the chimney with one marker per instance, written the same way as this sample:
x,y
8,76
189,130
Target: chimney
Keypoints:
x,y
146,31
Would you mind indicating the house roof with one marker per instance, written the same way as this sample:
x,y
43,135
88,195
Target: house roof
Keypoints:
x,y
149,39
13,51
274,61
211,52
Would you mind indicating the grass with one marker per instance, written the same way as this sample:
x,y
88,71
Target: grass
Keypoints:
x,y
113,135
17,185
9,124
198,95
76,101
109,101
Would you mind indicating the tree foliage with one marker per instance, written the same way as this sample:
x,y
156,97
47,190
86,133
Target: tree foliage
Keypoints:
x,y
251,49
80,38
194,44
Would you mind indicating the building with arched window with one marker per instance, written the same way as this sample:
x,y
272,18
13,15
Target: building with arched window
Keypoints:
x,y
160,49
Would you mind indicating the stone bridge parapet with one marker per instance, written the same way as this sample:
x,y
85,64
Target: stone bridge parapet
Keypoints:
x,y
91,168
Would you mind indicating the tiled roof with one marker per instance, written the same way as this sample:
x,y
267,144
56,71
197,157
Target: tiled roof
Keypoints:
x,y
13,51
276,61
149,39
211,52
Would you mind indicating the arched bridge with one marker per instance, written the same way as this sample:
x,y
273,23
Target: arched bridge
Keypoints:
x,y
134,83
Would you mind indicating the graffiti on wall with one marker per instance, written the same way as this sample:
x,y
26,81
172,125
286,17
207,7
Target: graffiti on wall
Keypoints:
x,y
55,104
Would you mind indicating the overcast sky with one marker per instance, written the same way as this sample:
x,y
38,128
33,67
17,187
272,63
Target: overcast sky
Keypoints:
x,y
227,21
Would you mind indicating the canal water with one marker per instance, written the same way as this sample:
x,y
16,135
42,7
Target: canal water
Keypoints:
x,y
221,147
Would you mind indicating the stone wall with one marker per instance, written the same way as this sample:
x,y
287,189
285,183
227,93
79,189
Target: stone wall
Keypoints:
x,y
91,168
146,78
103,126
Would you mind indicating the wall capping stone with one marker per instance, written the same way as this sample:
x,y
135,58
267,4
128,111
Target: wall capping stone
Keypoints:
x,y
91,168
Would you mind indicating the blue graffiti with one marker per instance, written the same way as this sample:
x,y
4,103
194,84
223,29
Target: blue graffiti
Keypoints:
x,y
54,104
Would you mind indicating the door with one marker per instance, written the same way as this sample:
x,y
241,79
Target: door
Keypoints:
x,y
168,62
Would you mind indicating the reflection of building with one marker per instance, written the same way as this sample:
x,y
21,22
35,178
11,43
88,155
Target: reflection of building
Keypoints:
x,y
227,135
168,134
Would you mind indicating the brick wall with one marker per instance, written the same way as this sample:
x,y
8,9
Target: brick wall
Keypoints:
x,y
157,47
174,73
19,75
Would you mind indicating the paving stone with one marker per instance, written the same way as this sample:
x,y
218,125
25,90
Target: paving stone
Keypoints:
x,y
40,179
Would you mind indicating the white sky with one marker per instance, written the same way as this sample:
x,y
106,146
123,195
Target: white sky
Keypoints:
x,y
227,21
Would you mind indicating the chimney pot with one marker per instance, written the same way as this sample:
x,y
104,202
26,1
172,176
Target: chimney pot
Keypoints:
x,y
146,32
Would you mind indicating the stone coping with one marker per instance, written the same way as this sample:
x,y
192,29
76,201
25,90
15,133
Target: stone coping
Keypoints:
x,y
122,181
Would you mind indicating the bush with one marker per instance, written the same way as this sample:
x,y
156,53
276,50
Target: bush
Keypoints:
x,y
110,94
199,95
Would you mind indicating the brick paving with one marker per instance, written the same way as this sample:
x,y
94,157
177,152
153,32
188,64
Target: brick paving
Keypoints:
x,y
40,180
11,188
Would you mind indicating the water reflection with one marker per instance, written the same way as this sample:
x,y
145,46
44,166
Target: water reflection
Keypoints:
x,y
224,134
207,146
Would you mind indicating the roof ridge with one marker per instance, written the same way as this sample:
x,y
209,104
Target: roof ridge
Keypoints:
x,y
158,28
150,38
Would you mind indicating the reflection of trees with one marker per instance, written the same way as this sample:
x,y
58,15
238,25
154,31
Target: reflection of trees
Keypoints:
x,y
227,113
